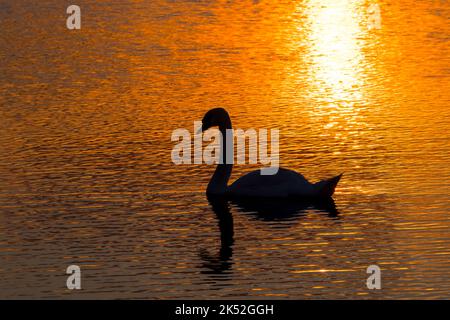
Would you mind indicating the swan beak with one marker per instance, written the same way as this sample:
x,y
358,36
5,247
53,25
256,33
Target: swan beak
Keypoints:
x,y
202,129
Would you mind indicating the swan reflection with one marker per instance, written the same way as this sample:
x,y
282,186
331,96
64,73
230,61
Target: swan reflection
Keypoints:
x,y
284,209
262,209
221,262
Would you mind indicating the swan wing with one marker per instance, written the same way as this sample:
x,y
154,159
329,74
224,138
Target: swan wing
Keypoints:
x,y
284,183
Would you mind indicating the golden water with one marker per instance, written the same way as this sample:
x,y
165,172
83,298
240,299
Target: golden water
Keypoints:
x,y
86,171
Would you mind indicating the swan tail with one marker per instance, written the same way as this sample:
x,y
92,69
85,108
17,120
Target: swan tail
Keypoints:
x,y
325,188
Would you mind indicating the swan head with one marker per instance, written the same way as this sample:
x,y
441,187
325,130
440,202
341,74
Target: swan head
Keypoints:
x,y
217,117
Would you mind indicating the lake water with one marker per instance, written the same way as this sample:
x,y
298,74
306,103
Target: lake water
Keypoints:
x,y
85,145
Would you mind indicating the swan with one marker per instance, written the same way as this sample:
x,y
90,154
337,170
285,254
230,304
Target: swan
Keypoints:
x,y
285,183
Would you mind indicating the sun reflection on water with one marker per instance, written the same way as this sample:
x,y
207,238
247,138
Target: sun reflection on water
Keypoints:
x,y
335,50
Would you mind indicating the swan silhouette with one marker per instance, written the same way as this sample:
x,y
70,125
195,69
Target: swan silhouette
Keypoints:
x,y
284,184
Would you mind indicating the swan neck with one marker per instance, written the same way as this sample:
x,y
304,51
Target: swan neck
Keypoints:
x,y
219,180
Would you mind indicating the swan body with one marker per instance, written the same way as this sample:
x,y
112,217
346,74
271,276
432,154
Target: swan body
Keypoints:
x,y
285,183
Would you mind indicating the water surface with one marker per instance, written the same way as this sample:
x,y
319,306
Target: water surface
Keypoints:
x,y
86,171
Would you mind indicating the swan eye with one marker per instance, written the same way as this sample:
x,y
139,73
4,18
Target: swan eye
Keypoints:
x,y
207,123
